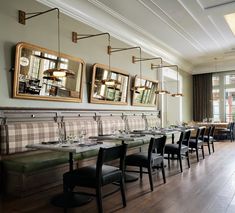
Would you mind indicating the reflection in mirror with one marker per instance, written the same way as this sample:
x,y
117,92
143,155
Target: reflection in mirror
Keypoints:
x,y
144,93
109,85
41,74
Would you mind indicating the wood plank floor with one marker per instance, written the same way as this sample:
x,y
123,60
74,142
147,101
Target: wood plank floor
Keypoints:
x,y
207,187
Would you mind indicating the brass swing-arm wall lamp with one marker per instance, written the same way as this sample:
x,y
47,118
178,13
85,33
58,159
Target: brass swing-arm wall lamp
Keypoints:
x,y
113,50
76,37
177,94
55,72
22,15
136,59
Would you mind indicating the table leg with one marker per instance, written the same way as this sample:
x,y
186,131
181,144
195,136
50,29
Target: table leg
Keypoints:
x,y
129,177
173,138
71,161
70,199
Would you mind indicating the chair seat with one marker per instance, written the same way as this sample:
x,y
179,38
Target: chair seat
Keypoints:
x,y
141,159
174,148
193,143
206,138
86,176
225,130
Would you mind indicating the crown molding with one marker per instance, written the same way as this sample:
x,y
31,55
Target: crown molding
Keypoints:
x,y
221,65
102,18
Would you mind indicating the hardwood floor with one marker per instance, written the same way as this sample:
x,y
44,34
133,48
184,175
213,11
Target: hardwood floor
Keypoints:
x,y
207,187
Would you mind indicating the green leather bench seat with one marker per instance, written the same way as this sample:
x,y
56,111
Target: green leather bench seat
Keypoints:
x,y
38,161
34,162
89,154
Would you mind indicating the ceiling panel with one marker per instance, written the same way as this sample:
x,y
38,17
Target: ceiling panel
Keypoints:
x,y
188,31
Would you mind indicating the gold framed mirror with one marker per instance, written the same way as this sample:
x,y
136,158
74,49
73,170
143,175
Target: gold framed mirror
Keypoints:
x,y
144,92
109,85
44,74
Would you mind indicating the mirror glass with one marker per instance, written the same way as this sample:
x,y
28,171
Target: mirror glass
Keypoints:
x,y
144,92
42,74
109,85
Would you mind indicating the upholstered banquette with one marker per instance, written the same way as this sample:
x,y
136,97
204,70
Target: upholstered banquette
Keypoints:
x,y
26,171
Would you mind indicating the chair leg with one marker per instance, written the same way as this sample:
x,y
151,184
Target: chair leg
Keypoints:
x,y
209,149
99,199
150,177
123,192
163,172
187,156
180,160
212,143
168,157
197,154
141,172
203,155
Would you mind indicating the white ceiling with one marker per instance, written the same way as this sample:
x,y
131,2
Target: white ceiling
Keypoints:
x,y
190,33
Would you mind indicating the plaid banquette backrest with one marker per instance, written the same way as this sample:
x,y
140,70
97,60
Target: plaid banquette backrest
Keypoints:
x,y
107,125
15,136
153,121
73,126
136,123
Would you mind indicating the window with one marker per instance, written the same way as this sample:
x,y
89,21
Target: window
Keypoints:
x,y
223,96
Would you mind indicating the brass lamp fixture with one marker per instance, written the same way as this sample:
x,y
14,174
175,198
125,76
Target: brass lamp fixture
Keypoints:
x,y
177,94
113,50
56,72
136,59
76,37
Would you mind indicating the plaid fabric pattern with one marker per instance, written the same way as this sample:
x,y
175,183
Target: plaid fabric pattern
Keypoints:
x,y
14,137
72,127
153,121
3,139
108,125
136,123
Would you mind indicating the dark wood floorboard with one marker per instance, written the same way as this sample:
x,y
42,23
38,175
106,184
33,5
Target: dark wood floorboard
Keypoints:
x,y
207,187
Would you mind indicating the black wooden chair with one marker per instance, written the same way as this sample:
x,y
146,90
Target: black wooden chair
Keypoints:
x,y
228,132
100,174
179,149
154,158
196,143
212,139
209,138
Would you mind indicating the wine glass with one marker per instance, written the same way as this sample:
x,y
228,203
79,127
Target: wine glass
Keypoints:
x,y
113,129
79,135
83,133
61,135
70,139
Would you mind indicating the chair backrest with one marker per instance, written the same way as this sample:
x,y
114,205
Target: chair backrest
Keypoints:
x,y
187,135
212,131
231,126
209,131
202,133
110,154
198,133
181,139
156,145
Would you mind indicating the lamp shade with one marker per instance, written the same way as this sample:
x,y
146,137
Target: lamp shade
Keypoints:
x,y
59,72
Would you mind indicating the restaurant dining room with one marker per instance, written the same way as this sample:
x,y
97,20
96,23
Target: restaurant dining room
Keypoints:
x,y
117,106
